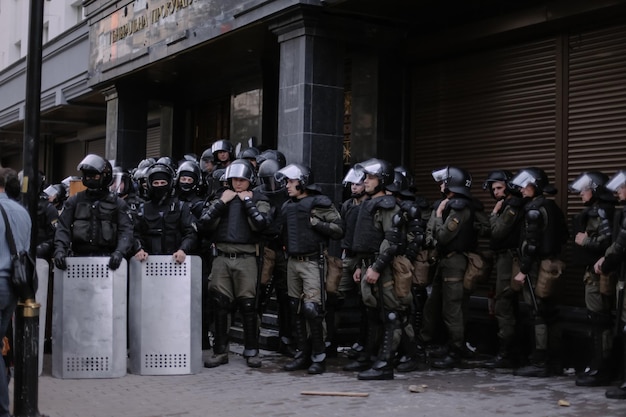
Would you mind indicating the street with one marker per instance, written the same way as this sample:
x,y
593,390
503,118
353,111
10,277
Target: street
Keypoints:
x,y
234,390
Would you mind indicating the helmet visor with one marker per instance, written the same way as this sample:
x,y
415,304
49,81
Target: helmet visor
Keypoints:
x,y
523,178
617,181
371,166
238,171
290,172
51,191
582,183
354,176
117,185
440,175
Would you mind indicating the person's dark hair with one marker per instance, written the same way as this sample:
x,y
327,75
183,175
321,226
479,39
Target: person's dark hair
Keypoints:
x,y
11,183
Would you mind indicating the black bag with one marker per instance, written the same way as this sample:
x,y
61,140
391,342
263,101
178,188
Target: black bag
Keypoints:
x,y
24,274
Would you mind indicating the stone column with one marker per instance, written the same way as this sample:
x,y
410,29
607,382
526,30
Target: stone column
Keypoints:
x,y
310,98
126,125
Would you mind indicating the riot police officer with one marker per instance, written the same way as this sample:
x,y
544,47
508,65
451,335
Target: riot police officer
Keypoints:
x,y
164,224
543,233
506,220
349,213
188,184
613,262
308,219
451,230
94,222
223,153
593,236
274,250
236,216
379,236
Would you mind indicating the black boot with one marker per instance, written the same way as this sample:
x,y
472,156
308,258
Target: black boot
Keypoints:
x,y
287,344
420,295
502,360
382,369
597,374
332,305
414,357
367,356
357,348
537,367
302,358
315,319
451,360
250,332
220,343
619,392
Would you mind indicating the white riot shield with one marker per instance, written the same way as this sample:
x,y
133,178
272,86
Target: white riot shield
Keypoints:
x,y
89,319
165,316
41,296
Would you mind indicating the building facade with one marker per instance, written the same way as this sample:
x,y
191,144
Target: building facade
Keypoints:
x,y
482,85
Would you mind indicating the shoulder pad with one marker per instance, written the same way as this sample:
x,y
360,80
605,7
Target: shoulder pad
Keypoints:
x,y
459,203
386,202
259,196
533,214
322,201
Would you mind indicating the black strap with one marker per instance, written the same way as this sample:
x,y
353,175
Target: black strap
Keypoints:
x,y
8,232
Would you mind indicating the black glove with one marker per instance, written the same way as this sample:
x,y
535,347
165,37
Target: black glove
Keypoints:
x,y
59,261
115,260
44,250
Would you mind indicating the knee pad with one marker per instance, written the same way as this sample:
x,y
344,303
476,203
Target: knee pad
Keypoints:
x,y
294,305
221,301
311,310
246,305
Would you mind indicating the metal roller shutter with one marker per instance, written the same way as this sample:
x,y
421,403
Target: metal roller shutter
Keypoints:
x,y
493,110
596,115
153,142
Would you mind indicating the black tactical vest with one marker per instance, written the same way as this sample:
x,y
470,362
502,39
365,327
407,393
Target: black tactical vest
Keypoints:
x,y
94,229
512,239
368,237
301,238
349,215
555,232
162,233
233,226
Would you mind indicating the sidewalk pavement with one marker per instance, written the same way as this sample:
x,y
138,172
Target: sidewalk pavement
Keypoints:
x,y
234,390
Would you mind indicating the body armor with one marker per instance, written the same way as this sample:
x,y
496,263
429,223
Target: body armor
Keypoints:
x,y
301,237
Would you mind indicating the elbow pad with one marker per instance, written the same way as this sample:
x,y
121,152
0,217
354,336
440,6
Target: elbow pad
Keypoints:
x,y
258,219
329,229
214,211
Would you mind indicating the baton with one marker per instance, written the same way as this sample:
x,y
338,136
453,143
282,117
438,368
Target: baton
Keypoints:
x,y
531,290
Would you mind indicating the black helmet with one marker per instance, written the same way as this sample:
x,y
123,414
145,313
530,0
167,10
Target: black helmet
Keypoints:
x,y
272,154
160,171
94,164
500,175
207,156
400,185
249,153
240,168
591,180
189,169
456,180
408,174
298,172
121,184
166,160
267,169
534,176
223,145
618,180
381,169
596,182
